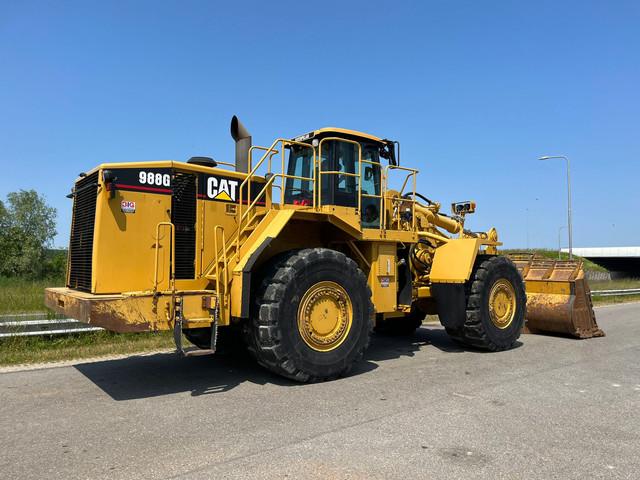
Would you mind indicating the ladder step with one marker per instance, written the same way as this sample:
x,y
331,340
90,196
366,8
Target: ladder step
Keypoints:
x,y
196,352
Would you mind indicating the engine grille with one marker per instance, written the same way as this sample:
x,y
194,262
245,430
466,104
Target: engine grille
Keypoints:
x,y
82,226
183,217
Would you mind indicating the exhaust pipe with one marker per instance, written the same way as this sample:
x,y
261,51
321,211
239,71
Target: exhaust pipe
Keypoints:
x,y
242,138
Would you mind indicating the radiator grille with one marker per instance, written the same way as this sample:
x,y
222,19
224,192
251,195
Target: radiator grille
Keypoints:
x,y
183,217
82,226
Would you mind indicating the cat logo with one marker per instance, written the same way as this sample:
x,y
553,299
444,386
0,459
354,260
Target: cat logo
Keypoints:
x,y
223,189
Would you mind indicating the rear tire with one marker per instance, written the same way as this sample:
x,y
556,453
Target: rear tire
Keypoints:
x,y
312,317
495,305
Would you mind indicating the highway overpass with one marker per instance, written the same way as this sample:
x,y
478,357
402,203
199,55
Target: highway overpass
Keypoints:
x,y
620,261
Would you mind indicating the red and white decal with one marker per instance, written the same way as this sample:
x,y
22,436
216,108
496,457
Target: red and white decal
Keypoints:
x,y
127,206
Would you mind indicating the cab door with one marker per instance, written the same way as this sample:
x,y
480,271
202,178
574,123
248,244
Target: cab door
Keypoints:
x,y
339,167
371,202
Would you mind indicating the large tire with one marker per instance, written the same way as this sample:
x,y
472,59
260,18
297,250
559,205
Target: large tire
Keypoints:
x,y
401,326
281,334
493,329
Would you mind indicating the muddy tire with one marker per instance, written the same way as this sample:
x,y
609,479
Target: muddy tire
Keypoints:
x,y
495,305
312,316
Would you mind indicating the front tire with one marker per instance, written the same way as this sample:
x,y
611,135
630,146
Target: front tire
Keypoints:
x,y
495,305
312,317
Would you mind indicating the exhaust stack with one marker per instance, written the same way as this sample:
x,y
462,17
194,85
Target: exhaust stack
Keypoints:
x,y
242,138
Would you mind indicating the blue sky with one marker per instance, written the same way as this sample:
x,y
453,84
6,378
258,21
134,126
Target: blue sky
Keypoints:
x,y
474,91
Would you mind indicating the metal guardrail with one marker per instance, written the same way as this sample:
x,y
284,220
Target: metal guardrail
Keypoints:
x,y
615,293
35,324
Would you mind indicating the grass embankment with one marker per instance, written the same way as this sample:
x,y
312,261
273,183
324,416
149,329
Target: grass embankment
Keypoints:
x,y
24,296
553,255
614,285
23,350
19,295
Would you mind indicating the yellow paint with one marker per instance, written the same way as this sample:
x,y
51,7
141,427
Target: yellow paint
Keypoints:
x,y
274,222
502,303
550,287
129,287
325,316
346,131
424,292
124,245
136,311
223,196
453,261
382,276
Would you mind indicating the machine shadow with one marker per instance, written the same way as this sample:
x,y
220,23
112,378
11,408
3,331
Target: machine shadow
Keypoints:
x,y
390,347
146,376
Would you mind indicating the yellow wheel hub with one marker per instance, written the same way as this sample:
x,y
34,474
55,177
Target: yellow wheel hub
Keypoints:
x,y
325,316
502,303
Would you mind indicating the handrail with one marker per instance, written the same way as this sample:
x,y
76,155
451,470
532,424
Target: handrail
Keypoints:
x,y
157,254
227,164
411,172
269,152
258,147
222,292
245,217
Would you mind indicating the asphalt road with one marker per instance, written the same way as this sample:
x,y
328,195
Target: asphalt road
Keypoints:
x,y
416,408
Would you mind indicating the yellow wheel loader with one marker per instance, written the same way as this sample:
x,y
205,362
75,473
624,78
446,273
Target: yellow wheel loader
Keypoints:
x,y
301,248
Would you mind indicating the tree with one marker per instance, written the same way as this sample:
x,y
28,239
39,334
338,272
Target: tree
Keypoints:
x,y
27,228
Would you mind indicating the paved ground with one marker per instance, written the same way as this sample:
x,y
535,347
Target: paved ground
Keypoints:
x,y
418,408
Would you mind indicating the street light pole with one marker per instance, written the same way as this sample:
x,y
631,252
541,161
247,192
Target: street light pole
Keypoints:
x,y
560,241
570,229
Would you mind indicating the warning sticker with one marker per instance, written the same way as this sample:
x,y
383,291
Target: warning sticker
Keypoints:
x,y
127,206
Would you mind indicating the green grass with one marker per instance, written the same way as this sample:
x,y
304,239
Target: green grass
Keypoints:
x,y
614,285
18,295
24,350
615,299
22,296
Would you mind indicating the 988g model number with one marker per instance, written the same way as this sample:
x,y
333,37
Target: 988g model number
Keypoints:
x,y
151,178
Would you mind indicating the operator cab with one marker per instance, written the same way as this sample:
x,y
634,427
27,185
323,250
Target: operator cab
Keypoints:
x,y
338,170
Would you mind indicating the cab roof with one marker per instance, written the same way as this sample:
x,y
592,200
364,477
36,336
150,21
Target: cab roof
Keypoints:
x,y
339,132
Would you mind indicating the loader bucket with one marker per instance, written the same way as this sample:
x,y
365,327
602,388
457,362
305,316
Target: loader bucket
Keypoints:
x,y
558,297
